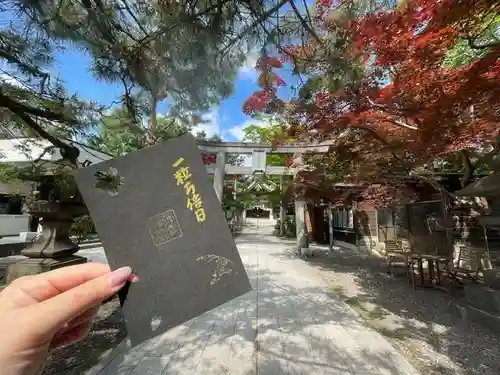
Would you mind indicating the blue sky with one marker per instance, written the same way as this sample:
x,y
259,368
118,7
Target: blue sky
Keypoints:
x,y
227,119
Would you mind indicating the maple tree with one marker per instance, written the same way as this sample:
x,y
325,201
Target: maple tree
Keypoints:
x,y
407,107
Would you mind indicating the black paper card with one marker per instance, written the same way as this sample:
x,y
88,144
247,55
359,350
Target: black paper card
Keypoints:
x,y
156,211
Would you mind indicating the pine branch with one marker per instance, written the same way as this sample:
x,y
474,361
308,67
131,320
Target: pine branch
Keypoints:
x,y
17,107
260,18
24,66
22,111
304,23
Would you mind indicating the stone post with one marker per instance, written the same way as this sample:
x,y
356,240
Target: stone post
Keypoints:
x,y
282,206
330,227
300,223
220,164
447,222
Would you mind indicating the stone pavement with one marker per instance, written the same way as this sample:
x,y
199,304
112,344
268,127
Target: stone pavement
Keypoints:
x,y
289,324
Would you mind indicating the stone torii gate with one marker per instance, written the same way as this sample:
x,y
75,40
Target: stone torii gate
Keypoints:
x,y
259,166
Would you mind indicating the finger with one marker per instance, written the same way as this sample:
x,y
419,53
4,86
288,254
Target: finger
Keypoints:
x,y
37,288
57,311
76,334
84,317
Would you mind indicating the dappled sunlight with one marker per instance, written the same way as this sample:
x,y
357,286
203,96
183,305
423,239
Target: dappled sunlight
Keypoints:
x,y
293,104
289,323
420,323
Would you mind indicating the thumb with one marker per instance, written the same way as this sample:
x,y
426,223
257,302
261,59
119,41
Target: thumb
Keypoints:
x,y
59,310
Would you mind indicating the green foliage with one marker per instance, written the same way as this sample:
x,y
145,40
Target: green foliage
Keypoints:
x,y
60,174
9,172
289,227
271,130
185,51
182,52
243,200
119,132
82,227
267,134
337,169
274,197
32,103
462,54
474,47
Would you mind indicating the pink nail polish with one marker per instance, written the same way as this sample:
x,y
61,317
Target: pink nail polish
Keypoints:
x,y
120,276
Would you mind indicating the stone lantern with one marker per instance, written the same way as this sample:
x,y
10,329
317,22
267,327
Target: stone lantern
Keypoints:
x,y
53,248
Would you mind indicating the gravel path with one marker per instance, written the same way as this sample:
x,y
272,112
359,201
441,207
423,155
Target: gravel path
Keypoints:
x,y
107,331
419,323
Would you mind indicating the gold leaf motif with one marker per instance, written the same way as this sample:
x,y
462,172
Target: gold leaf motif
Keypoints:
x,y
222,266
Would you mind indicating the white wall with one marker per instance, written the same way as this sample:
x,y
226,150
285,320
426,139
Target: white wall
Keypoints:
x,y
13,224
11,151
25,150
19,188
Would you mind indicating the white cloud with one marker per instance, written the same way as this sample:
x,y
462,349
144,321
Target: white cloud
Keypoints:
x,y
11,80
211,125
237,131
247,71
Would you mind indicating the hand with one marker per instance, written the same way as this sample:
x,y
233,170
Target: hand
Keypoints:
x,y
41,312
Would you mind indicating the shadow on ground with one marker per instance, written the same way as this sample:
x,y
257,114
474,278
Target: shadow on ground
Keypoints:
x,y
291,327
107,332
419,323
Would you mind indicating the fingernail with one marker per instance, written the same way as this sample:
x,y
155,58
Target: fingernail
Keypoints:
x,y
120,276
133,278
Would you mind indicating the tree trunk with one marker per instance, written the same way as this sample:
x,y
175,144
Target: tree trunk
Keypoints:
x,y
152,123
